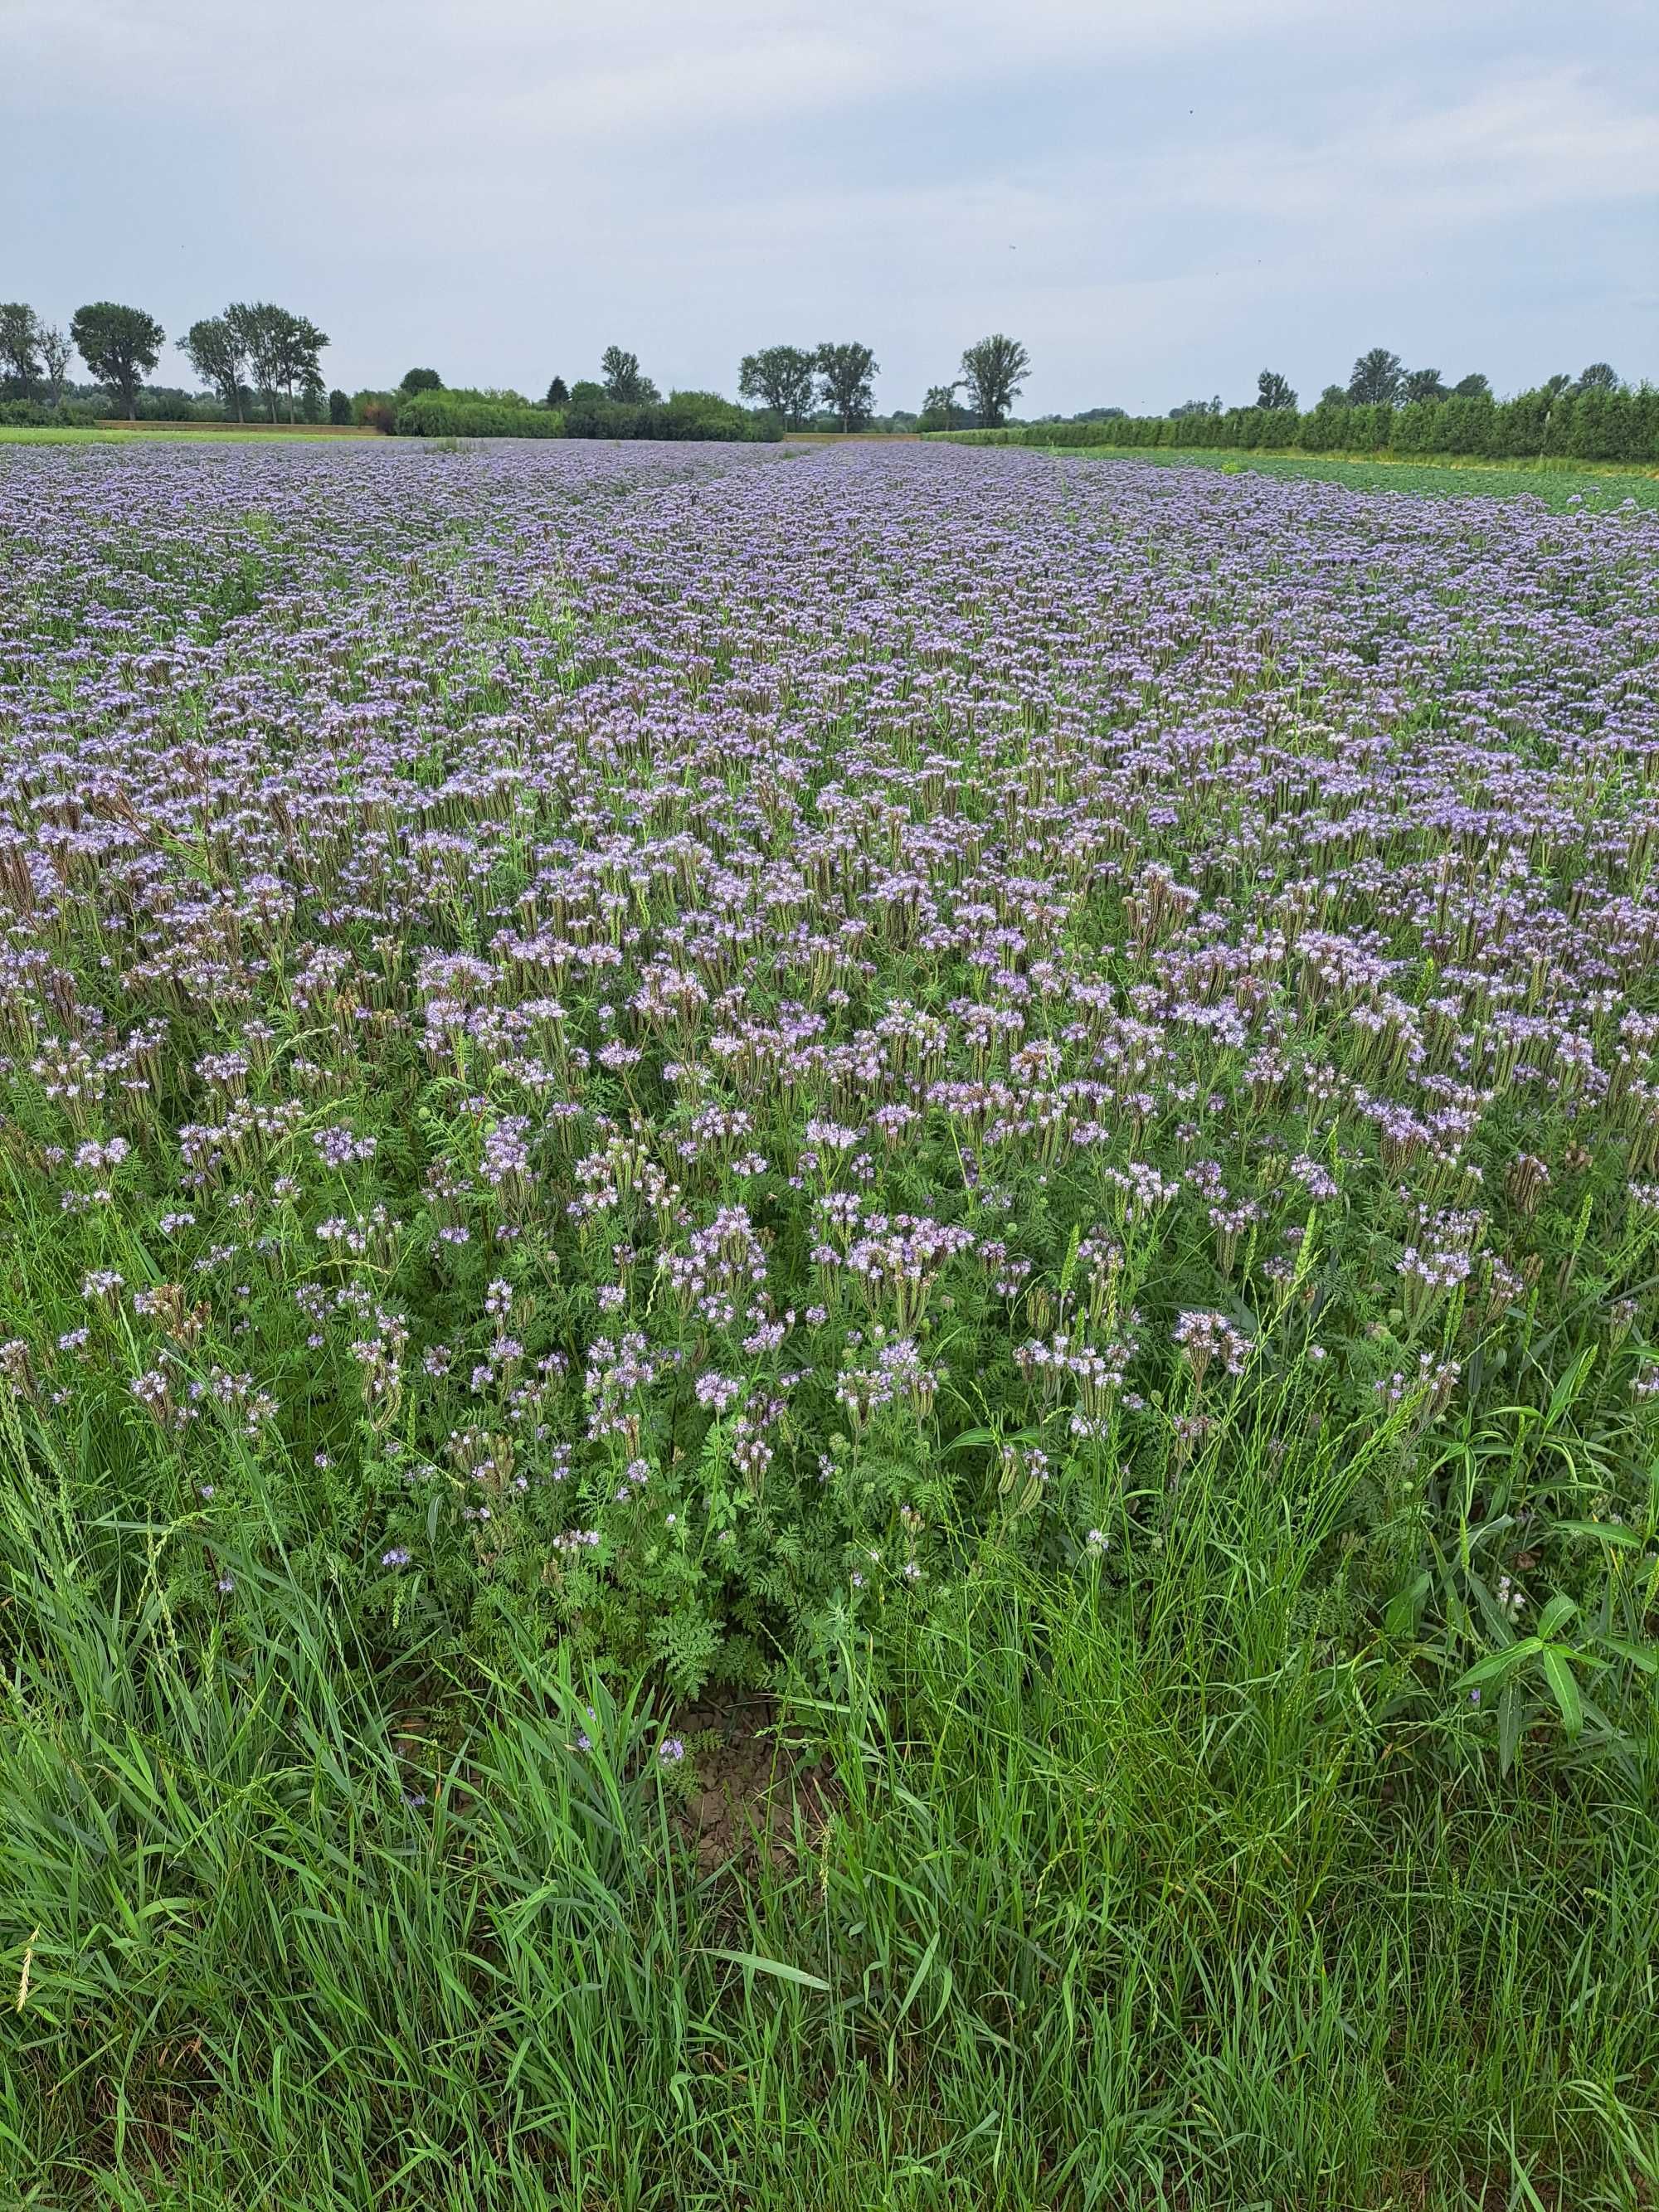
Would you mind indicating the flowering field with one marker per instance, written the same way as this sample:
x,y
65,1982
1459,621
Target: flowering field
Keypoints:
x,y
1007,1103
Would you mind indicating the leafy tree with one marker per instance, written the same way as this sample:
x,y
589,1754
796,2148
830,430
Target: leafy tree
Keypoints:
x,y
1192,407
1374,381
558,393
339,407
118,346
219,357
422,379
1273,390
940,411
1553,387
20,346
780,378
1600,376
301,343
622,380
281,349
1418,384
1102,415
994,370
55,353
847,373
1473,387
1334,395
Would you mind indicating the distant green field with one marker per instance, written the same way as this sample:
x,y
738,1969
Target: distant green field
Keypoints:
x,y
1557,487
209,433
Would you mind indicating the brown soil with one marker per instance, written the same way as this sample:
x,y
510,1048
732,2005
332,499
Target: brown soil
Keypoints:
x,y
758,1788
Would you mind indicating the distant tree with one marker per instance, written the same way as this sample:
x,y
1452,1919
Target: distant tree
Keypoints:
x,y
422,379
1375,380
1473,387
219,357
940,411
622,380
1190,407
780,378
558,393
994,371
1600,376
1101,415
55,354
1421,383
847,373
281,349
302,344
20,346
1334,395
1553,387
118,346
1273,390
339,407
250,324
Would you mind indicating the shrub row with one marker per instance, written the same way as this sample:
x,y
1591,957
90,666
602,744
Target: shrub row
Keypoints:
x,y
35,415
682,415
466,414
1586,426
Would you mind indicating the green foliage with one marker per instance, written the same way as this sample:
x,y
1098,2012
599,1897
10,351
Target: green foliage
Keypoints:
x,y
375,410
847,373
940,411
1593,423
281,350
421,380
780,377
994,370
31,414
21,366
1275,392
218,353
695,416
624,382
1375,378
428,413
56,354
339,408
119,345
558,393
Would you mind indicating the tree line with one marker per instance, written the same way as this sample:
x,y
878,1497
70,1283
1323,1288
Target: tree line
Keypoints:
x,y
257,355
621,401
1380,379
254,353
790,381
1565,417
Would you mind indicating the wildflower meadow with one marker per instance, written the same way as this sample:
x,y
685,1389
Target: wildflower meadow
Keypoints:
x,y
829,1333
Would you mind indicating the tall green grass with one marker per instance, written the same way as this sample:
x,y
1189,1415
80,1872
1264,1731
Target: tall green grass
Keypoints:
x,y
1118,1889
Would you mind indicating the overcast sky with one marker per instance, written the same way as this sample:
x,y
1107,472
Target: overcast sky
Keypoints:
x,y
1159,197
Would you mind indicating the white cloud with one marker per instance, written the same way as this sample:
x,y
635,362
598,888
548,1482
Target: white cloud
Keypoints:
x,y
1519,142
1148,191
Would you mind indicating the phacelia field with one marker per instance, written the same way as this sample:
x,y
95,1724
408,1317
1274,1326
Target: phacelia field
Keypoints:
x,y
648,1051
